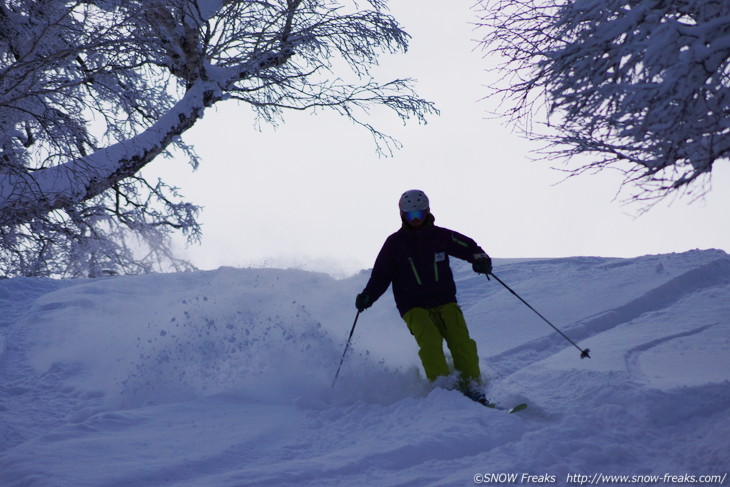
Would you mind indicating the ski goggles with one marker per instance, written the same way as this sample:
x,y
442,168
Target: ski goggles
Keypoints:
x,y
415,215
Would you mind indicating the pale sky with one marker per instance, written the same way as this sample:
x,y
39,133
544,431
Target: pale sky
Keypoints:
x,y
313,193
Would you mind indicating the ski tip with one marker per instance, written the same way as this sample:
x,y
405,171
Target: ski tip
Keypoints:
x,y
519,407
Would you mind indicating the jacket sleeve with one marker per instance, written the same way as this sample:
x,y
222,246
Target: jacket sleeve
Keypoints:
x,y
465,248
382,273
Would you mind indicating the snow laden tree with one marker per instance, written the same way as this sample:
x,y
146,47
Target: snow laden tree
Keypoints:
x,y
93,90
638,85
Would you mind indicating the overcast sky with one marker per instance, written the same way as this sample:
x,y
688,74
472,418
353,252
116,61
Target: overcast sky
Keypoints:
x,y
313,193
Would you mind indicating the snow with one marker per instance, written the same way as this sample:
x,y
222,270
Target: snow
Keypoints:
x,y
223,378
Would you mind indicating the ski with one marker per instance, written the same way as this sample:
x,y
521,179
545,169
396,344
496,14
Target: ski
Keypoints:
x,y
478,396
511,410
519,407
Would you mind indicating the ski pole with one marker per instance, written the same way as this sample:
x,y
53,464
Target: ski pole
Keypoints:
x,y
346,347
584,353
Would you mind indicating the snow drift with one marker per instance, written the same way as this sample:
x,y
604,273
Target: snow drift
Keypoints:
x,y
223,378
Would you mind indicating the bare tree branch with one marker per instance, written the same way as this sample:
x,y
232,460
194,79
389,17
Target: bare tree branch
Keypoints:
x,y
91,91
640,85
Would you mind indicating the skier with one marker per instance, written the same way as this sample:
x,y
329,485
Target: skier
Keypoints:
x,y
415,260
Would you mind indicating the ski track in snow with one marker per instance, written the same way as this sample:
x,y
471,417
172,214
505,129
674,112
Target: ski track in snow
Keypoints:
x,y
222,378
713,274
633,355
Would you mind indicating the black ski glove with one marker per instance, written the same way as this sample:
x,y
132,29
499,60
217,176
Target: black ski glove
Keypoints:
x,y
363,302
483,265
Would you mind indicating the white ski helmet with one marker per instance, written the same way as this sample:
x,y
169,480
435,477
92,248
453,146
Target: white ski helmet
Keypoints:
x,y
413,200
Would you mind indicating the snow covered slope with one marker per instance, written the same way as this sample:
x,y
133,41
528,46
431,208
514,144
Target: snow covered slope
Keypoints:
x,y
223,378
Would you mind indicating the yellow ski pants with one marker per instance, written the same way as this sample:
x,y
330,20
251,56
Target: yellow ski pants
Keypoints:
x,y
431,327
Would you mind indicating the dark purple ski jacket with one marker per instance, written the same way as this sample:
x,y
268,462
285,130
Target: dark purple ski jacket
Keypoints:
x,y
416,262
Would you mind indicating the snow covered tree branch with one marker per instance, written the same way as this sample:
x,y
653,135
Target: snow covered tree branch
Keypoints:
x,y
639,85
91,91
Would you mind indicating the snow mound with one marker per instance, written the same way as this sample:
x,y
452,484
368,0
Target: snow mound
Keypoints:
x,y
225,378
